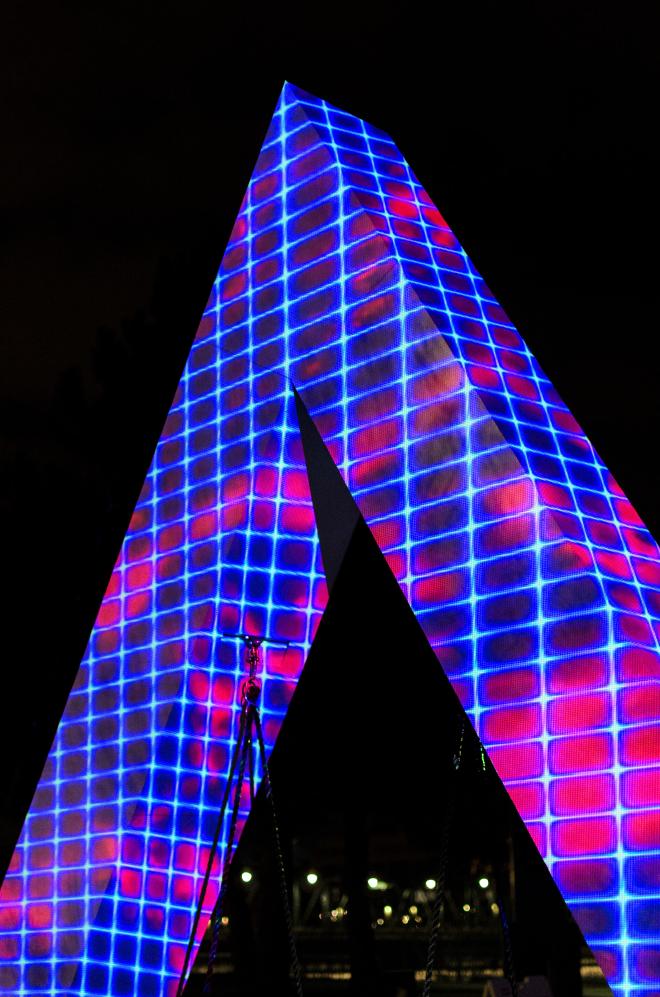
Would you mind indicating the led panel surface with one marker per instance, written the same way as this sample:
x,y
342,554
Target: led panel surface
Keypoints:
x,y
529,571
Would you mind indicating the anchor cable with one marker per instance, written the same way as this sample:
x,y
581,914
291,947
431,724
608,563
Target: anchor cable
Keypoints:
x,y
439,904
242,759
214,847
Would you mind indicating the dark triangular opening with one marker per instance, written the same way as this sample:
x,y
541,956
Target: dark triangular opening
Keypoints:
x,y
360,773
334,507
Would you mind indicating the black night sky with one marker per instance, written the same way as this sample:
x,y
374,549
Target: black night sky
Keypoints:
x,y
129,132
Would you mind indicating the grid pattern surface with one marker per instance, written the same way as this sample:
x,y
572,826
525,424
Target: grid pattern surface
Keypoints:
x,y
526,566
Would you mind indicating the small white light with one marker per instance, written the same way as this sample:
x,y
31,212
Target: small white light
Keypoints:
x,y
430,884
413,910
372,883
246,876
387,910
312,878
484,883
380,921
466,908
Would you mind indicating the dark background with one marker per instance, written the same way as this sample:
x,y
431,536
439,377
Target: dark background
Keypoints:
x,y
129,131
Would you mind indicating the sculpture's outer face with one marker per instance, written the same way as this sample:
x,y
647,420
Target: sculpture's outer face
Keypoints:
x,y
527,568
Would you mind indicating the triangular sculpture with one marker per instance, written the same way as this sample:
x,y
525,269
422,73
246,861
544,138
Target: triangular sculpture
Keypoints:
x,y
527,568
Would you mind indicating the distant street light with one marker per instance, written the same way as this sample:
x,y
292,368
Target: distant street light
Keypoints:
x,y
312,878
246,876
430,884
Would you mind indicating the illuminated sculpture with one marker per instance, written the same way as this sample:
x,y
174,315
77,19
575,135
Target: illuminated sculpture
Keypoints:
x,y
527,568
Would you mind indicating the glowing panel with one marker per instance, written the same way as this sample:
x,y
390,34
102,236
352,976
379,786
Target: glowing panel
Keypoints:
x,y
529,571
